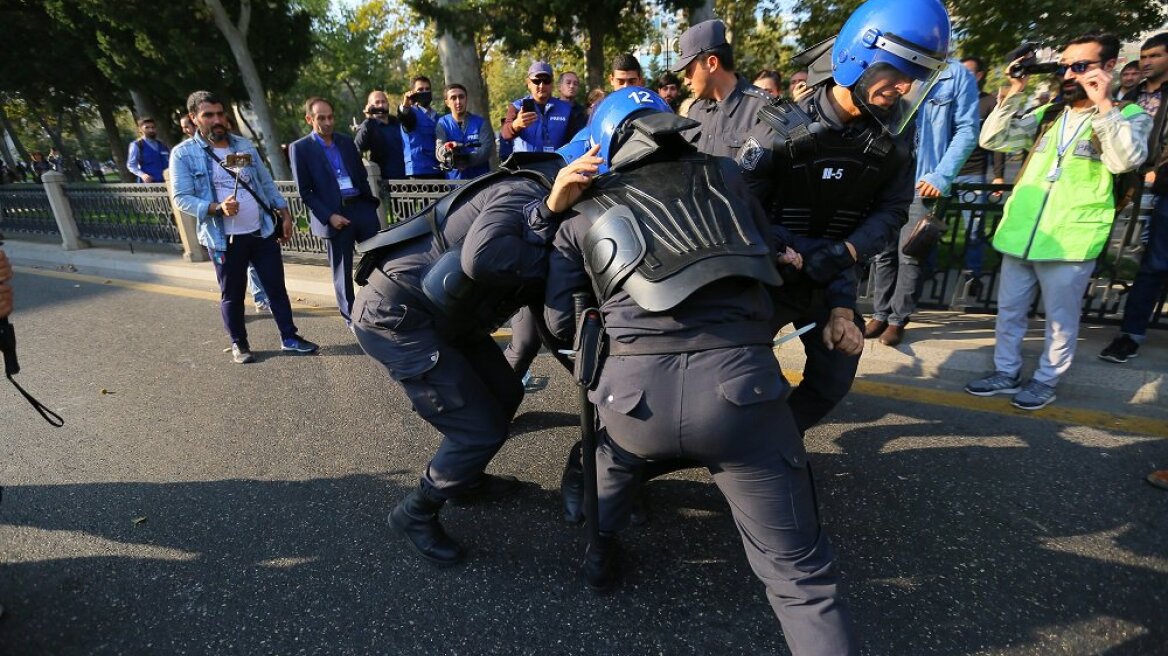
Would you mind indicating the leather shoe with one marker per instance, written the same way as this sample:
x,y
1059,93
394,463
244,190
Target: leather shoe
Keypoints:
x,y
892,336
601,567
874,327
487,488
416,518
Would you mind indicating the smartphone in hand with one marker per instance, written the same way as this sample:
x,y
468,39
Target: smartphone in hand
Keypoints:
x,y
528,105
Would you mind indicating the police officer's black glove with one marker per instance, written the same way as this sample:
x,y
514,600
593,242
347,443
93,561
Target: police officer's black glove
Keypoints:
x,y
822,265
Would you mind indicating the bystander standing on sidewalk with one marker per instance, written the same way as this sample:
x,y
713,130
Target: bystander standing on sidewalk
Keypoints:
x,y
1059,215
233,222
1144,294
946,133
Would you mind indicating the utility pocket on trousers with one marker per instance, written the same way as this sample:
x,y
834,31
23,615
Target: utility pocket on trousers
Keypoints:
x,y
752,388
624,401
433,397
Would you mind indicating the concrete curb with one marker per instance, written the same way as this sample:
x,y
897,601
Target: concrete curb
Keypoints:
x,y
941,349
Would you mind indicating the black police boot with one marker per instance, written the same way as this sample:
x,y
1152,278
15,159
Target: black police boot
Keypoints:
x,y
601,567
416,518
487,488
572,487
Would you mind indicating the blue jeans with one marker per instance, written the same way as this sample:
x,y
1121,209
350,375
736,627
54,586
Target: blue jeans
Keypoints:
x,y
1145,292
258,295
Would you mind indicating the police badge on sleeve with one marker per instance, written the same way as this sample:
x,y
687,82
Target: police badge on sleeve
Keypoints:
x,y
749,155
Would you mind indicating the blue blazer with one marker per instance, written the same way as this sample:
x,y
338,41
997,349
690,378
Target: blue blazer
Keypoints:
x,y
318,184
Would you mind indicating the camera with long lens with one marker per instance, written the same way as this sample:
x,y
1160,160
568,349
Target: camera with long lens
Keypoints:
x,y
458,155
1029,65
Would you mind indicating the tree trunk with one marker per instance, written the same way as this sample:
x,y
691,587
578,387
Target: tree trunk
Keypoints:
x,y
144,106
702,12
236,36
82,138
20,150
595,22
461,64
71,173
117,149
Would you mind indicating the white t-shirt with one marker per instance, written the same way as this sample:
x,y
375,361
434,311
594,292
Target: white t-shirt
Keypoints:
x,y
248,218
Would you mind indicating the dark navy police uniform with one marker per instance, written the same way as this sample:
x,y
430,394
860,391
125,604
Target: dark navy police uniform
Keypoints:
x,y
495,240
690,372
855,185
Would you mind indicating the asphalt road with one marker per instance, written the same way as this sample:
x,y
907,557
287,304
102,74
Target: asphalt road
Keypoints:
x,y
194,506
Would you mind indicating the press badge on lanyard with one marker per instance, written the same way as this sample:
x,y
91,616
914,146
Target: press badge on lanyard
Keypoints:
x,y
1062,146
344,181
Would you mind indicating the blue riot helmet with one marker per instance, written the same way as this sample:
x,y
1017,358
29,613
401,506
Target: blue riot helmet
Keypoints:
x,y
576,147
890,53
609,125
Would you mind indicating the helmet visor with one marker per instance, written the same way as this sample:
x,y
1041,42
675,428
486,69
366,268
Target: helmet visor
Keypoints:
x,y
891,96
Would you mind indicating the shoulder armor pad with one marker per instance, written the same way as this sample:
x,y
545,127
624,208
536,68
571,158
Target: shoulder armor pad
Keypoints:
x,y
613,247
794,128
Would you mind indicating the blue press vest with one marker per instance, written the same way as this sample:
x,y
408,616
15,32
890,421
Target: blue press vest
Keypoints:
x,y
549,132
419,145
474,126
152,162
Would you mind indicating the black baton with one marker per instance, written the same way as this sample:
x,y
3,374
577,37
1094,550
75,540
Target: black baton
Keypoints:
x,y
589,329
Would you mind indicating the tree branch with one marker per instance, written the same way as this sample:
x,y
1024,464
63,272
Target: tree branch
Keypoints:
x,y
244,16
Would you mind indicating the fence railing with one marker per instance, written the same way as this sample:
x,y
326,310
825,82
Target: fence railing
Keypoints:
x,y
136,213
962,273
25,210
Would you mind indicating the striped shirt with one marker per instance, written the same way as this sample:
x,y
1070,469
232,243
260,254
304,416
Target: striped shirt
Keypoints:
x,y
1123,141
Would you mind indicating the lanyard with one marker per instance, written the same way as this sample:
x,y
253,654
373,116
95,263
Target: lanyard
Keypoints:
x,y
1063,145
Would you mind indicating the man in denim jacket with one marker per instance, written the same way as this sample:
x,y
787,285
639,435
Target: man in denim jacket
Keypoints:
x,y
232,223
947,128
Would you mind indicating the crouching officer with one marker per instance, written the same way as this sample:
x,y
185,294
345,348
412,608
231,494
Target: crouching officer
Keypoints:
x,y
679,259
438,285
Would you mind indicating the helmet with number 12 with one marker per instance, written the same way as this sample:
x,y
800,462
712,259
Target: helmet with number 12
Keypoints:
x,y
609,125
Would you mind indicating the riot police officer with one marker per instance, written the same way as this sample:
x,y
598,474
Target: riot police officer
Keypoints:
x,y
679,258
438,285
835,169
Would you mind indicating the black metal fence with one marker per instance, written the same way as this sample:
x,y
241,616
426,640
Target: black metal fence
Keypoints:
x,y
134,213
405,198
962,273
25,210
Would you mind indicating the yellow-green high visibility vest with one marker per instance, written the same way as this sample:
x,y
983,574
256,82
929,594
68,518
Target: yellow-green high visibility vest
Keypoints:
x,y
1068,219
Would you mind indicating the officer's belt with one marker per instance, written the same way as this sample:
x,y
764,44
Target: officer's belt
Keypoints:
x,y
716,336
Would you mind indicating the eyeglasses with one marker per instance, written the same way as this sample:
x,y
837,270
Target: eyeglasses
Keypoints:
x,y
541,81
1078,68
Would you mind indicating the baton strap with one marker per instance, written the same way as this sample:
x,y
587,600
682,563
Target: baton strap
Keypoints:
x,y
53,418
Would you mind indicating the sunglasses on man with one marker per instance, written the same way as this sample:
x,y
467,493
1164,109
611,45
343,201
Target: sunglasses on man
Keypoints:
x,y
1078,68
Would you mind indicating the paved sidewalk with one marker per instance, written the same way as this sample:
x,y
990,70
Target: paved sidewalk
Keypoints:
x,y
941,349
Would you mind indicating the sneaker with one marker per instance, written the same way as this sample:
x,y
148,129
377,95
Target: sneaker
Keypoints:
x,y
1120,350
995,383
241,353
1034,396
298,344
263,308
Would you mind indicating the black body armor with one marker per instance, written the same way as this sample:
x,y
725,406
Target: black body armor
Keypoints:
x,y
827,178
663,230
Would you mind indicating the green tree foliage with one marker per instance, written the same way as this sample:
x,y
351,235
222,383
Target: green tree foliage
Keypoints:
x,y
991,28
758,33
607,26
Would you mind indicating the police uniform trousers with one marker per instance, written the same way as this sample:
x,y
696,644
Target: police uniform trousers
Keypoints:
x,y
462,386
724,408
827,373
525,342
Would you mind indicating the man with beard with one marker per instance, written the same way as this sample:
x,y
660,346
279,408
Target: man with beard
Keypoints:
x,y
1059,215
235,206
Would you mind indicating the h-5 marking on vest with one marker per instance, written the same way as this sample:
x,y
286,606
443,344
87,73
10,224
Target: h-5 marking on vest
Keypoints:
x,y
833,174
